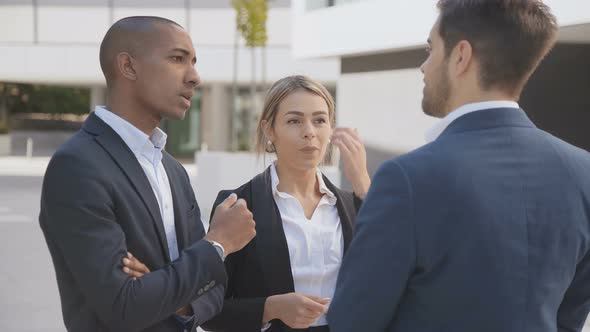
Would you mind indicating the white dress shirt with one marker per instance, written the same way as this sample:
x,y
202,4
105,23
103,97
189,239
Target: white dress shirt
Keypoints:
x,y
315,245
433,133
148,151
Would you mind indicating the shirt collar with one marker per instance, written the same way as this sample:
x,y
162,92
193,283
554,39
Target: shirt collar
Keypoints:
x,y
323,188
434,132
138,141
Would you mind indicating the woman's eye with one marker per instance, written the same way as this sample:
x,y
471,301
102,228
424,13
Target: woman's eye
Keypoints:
x,y
292,121
320,121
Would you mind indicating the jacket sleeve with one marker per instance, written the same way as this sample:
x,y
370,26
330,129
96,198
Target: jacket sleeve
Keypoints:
x,y
575,305
238,314
78,219
385,232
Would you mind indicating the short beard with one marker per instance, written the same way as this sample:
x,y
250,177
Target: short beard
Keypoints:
x,y
436,98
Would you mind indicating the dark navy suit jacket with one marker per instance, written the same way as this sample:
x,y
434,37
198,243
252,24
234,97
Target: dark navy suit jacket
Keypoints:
x,y
96,205
486,229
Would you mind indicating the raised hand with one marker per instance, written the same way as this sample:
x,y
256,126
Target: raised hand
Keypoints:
x,y
354,159
232,225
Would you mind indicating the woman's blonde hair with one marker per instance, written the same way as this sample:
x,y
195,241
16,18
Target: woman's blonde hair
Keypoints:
x,y
279,91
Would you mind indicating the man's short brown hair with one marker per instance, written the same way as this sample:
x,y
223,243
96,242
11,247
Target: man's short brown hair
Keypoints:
x,y
509,37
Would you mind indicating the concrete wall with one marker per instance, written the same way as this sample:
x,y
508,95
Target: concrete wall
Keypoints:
x,y
374,26
58,43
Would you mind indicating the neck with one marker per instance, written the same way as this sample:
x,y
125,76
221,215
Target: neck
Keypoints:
x,y
133,113
482,96
297,182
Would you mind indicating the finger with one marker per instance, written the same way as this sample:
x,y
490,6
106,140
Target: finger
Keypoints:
x,y
321,300
312,305
230,200
352,132
135,265
139,266
241,204
303,322
351,142
344,150
313,315
132,273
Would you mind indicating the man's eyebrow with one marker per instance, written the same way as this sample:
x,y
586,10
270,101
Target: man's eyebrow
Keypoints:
x,y
185,52
181,50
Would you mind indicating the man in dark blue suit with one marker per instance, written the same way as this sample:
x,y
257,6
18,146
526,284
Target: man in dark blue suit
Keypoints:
x,y
112,189
487,227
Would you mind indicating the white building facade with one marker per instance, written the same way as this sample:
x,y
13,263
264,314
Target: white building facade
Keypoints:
x,y
381,45
57,42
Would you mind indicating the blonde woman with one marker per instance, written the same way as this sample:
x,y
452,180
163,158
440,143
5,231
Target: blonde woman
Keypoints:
x,y
285,277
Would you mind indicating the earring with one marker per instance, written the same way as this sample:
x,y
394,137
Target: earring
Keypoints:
x,y
270,148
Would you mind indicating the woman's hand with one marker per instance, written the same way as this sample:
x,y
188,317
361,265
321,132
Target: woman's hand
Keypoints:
x,y
136,269
354,159
296,310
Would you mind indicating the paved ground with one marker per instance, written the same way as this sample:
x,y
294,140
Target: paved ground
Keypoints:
x,y
29,299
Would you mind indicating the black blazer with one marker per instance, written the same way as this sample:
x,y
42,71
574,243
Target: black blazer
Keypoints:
x,y
263,268
96,205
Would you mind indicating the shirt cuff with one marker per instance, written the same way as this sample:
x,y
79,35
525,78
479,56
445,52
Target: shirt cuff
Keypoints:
x,y
219,248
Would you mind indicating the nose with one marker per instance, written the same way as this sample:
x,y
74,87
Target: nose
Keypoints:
x,y
308,130
193,78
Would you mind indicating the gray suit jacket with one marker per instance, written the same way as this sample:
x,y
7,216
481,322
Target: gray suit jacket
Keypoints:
x,y
96,205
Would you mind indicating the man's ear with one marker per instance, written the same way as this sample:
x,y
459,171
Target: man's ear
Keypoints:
x,y
461,57
126,66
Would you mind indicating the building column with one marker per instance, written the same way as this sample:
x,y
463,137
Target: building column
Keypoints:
x,y
216,117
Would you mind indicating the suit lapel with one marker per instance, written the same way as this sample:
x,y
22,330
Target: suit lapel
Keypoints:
x,y
271,243
346,211
179,218
127,162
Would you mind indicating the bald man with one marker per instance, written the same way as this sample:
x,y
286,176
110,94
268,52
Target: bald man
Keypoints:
x,y
112,189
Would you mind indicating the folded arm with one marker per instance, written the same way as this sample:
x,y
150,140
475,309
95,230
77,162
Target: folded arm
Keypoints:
x,y
78,218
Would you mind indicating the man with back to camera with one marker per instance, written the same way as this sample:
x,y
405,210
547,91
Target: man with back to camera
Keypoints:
x,y
112,189
486,228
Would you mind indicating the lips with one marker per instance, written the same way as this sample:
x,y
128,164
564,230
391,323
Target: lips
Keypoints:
x,y
187,96
309,149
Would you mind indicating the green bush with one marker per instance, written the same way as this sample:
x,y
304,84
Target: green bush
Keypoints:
x,y
30,98
4,129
